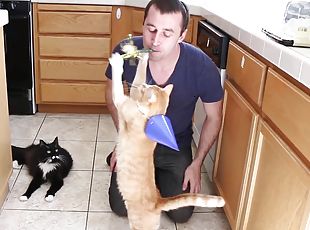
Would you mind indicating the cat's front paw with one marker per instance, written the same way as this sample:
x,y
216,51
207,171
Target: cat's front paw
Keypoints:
x,y
23,198
116,60
16,165
49,198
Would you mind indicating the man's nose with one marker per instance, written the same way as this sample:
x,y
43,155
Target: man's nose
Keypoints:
x,y
156,39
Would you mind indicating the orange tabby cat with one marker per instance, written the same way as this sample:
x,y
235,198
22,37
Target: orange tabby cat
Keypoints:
x,y
135,167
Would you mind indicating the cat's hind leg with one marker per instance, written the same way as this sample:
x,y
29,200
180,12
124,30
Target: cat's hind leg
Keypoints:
x,y
56,184
33,186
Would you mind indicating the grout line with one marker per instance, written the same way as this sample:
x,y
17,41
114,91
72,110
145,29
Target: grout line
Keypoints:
x,y
44,118
92,173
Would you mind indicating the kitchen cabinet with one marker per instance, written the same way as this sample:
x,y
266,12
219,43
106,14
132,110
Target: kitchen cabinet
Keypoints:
x,y
5,141
234,152
72,47
279,194
247,73
237,137
289,109
262,163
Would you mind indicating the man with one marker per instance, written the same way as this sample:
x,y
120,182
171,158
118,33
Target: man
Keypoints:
x,y
193,75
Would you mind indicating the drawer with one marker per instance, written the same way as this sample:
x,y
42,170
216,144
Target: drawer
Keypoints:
x,y
137,21
74,22
88,47
72,7
73,93
87,70
289,109
246,72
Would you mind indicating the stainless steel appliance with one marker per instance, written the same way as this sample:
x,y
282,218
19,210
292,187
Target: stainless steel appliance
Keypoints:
x,y
19,57
214,43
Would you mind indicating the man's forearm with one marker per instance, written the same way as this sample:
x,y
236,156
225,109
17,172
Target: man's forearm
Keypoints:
x,y
208,135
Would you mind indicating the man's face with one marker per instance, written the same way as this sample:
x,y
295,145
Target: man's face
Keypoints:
x,y
161,32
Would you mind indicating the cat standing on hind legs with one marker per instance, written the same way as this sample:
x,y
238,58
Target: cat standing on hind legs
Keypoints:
x,y
45,162
136,172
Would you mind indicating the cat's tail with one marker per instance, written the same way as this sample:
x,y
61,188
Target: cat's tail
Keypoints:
x,y
190,199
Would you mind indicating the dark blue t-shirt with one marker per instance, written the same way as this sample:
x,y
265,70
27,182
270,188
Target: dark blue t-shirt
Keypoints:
x,y
195,75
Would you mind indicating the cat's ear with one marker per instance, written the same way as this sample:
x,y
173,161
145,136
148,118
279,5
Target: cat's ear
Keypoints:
x,y
168,89
42,143
55,142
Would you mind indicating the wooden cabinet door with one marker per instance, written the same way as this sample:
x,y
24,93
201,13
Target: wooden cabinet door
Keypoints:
x,y
279,197
234,152
5,141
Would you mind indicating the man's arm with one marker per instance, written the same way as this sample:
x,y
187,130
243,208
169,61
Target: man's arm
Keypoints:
x,y
208,135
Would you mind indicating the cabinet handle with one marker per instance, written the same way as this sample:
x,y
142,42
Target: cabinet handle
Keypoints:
x,y
242,62
118,13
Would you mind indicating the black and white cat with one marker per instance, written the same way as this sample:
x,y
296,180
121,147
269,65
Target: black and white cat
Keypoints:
x,y
45,162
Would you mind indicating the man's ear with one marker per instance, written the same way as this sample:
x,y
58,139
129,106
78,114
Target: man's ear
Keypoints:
x,y
182,37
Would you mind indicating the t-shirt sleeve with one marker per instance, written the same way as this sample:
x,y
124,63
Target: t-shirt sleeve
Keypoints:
x,y
209,82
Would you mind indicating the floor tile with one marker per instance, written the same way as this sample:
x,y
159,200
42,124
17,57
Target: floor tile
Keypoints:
x,y
205,221
25,127
82,153
38,220
72,115
13,178
103,149
21,142
73,196
110,221
99,200
107,130
69,129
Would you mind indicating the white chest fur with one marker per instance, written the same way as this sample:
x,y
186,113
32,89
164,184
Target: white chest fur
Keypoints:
x,y
47,167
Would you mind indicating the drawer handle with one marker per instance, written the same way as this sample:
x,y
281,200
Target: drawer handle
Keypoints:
x,y
242,62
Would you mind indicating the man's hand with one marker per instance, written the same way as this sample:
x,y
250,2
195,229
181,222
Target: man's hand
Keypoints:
x,y
192,176
113,162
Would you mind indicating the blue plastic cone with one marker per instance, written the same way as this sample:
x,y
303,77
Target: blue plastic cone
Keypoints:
x,y
158,128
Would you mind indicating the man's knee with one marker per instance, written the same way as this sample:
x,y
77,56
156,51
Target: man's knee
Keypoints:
x,y
181,215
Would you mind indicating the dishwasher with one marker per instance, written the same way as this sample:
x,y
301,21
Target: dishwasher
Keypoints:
x,y
214,43
18,47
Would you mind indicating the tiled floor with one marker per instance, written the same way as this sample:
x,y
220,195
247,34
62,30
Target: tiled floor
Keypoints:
x,y
82,203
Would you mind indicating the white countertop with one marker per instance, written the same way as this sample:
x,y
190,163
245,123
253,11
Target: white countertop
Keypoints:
x,y
4,17
243,25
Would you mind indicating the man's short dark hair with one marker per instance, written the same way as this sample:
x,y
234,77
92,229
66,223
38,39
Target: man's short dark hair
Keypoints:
x,y
170,6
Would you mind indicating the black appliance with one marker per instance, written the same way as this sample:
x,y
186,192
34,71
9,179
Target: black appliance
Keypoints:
x,y
19,57
213,42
